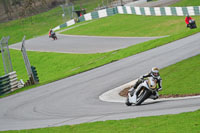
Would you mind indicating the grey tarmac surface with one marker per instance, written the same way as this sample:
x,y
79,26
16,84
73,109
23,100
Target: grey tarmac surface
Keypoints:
x,y
75,99
159,3
80,44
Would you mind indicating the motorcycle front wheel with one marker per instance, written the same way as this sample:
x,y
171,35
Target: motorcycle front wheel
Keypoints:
x,y
142,95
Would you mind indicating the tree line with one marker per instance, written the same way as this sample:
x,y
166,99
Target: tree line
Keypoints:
x,y
22,8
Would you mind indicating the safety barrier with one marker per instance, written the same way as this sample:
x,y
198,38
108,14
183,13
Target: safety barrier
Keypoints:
x,y
8,83
90,16
150,11
160,11
98,14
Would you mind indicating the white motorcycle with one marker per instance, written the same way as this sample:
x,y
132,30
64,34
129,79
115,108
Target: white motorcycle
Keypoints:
x,y
147,89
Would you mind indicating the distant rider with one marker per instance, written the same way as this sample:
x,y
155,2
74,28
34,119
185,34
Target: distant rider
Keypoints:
x,y
187,20
52,34
155,74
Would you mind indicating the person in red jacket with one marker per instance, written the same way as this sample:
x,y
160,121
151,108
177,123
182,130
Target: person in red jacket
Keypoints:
x,y
187,19
52,34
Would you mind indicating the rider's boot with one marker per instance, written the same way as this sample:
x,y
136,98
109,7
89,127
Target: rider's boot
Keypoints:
x,y
154,96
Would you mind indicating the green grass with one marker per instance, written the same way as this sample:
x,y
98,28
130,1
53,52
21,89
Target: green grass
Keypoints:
x,y
179,123
18,28
182,77
41,23
54,66
187,3
132,25
89,5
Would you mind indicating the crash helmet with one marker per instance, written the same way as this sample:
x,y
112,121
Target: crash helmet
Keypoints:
x,y
188,15
155,72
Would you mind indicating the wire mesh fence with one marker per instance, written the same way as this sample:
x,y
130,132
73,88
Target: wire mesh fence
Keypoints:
x,y
6,55
26,60
31,70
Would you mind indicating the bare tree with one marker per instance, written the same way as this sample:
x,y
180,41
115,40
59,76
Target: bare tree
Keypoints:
x,y
44,4
6,8
28,9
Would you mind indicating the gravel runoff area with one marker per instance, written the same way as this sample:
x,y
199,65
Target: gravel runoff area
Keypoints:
x,y
80,44
159,3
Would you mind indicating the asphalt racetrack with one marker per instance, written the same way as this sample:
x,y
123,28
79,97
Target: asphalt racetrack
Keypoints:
x,y
75,99
80,44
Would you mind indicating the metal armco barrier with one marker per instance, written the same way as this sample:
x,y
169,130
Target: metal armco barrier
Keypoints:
x,y
31,70
8,83
7,63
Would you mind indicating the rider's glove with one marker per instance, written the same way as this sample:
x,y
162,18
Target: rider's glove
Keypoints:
x,y
141,77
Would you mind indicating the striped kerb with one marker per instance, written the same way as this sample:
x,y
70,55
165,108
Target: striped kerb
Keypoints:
x,y
168,11
137,10
196,10
124,10
102,13
179,11
133,10
157,11
190,11
88,16
142,10
147,10
162,10
173,10
128,10
81,19
95,15
70,22
120,10
63,25
185,11
152,11
115,10
110,11
56,28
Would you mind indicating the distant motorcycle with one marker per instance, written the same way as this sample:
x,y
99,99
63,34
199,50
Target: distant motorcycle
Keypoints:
x,y
144,91
52,34
192,24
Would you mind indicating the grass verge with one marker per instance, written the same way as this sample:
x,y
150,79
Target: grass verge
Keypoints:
x,y
18,28
133,25
184,122
41,23
182,78
56,66
183,3
179,80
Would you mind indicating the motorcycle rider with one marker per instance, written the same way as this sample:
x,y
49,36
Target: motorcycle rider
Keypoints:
x,y
155,74
187,19
52,34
